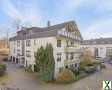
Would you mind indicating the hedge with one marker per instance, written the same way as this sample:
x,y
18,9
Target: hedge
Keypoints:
x,y
2,69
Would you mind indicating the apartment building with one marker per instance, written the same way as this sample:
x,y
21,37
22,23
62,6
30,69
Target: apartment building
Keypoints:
x,y
65,39
101,47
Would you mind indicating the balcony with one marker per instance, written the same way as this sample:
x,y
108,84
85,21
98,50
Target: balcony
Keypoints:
x,y
67,62
72,49
69,35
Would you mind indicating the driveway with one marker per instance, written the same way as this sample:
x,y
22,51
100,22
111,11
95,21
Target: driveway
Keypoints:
x,y
18,78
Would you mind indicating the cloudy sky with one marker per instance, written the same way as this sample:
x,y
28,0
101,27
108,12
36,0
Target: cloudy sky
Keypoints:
x,y
93,17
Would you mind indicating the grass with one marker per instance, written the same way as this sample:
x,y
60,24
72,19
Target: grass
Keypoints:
x,y
3,79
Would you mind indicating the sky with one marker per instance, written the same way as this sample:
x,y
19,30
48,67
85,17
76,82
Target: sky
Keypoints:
x,y
93,17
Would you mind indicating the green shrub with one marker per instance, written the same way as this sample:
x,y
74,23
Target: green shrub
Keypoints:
x,y
82,74
36,68
85,63
90,69
2,69
97,62
65,76
110,57
45,60
29,68
76,72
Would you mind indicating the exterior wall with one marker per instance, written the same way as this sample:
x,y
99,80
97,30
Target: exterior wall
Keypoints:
x,y
37,43
102,52
13,50
16,51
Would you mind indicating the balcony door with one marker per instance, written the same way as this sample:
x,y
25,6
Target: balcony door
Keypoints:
x,y
96,52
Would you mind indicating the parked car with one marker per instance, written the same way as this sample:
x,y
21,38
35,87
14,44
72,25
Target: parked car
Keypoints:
x,y
102,59
110,61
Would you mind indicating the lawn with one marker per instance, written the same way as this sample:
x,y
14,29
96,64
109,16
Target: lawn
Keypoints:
x,y
3,79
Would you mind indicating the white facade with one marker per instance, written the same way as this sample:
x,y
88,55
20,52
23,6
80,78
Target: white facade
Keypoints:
x,y
36,43
67,55
99,50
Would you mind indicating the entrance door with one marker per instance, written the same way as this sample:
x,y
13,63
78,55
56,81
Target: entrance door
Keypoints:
x,y
13,60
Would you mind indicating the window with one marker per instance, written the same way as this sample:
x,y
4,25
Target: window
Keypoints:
x,y
28,54
108,51
14,50
67,43
76,65
18,43
34,42
67,56
18,52
35,53
72,65
58,57
27,42
71,56
58,43
72,43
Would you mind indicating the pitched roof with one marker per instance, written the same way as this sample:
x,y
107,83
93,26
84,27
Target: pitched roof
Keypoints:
x,y
42,32
97,41
58,26
48,28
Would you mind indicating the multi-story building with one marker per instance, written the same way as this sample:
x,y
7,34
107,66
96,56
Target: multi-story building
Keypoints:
x,y
101,47
65,39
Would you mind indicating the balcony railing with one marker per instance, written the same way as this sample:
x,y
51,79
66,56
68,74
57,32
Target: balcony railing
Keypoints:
x,y
72,49
69,35
67,62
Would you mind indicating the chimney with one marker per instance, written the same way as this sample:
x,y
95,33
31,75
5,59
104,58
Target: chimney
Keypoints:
x,y
48,23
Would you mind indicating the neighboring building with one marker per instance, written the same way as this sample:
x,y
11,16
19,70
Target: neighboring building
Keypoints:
x,y
65,39
101,47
